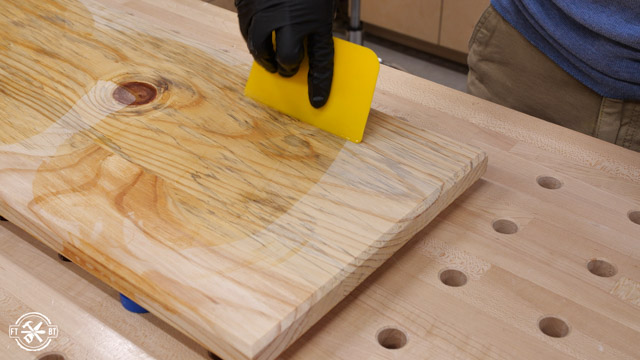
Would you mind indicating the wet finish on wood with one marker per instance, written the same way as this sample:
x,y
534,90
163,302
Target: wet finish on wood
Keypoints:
x,y
132,151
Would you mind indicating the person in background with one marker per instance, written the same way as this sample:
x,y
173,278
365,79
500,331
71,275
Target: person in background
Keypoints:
x,y
573,63
294,22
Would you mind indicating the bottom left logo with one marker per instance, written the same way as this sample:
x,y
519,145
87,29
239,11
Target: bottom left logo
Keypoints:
x,y
33,331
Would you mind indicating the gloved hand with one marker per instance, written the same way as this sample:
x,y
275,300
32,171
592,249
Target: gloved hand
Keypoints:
x,y
293,21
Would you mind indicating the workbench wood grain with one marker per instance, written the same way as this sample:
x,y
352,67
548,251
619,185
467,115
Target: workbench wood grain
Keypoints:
x,y
131,150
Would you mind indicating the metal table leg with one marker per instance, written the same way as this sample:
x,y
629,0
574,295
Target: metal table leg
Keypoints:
x,y
355,25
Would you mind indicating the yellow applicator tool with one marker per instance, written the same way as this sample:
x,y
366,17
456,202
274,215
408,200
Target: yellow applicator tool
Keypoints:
x,y
345,114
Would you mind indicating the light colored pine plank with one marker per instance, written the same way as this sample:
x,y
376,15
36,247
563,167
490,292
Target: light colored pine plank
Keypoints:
x,y
236,225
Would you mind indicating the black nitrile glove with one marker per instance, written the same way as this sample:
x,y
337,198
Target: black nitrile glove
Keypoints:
x,y
293,21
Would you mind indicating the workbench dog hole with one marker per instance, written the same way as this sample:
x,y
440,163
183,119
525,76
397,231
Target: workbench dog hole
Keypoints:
x,y
602,268
553,326
505,226
392,338
453,277
135,93
63,258
213,356
634,216
549,182
51,356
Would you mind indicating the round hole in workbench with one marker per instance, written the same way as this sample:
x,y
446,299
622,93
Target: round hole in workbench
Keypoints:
x,y
134,93
601,268
504,226
213,356
549,182
63,258
634,216
51,356
391,338
453,277
553,326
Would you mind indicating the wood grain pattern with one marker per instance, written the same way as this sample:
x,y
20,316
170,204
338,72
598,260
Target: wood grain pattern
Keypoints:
x,y
237,225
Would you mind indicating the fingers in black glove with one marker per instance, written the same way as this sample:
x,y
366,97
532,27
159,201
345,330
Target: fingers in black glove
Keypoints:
x,y
289,50
321,55
293,21
260,43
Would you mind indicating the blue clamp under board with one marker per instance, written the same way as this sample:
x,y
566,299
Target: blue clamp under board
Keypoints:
x,y
131,305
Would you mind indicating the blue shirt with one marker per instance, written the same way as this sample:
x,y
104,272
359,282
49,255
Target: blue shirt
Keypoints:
x,y
596,41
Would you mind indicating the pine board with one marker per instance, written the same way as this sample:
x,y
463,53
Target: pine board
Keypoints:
x,y
235,224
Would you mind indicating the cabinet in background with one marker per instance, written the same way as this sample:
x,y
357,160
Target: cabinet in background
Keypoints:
x,y
459,18
419,19
441,27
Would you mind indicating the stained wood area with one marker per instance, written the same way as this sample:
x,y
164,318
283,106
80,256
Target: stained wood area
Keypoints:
x,y
131,150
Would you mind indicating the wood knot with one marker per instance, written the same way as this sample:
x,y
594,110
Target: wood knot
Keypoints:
x,y
135,93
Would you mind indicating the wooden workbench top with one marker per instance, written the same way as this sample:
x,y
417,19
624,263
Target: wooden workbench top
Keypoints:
x,y
546,242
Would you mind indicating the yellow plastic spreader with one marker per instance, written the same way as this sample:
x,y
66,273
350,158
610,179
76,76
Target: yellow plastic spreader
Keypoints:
x,y
355,74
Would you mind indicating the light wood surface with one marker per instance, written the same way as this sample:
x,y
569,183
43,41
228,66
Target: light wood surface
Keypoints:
x,y
131,150
512,280
92,323
459,18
